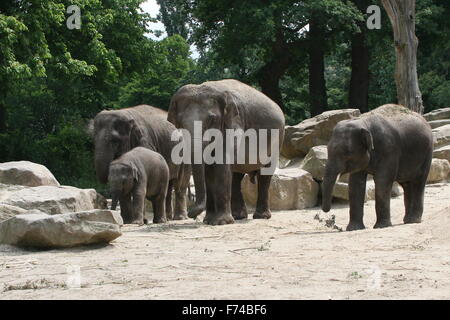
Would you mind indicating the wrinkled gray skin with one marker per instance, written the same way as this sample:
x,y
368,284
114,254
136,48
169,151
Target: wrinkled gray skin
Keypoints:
x,y
226,104
392,144
118,131
138,174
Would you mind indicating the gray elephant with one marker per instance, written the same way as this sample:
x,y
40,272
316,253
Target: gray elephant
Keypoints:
x,y
224,105
138,174
118,131
393,144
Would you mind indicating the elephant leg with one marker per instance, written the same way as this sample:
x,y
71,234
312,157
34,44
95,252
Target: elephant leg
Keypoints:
x,y
126,208
218,184
238,208
181,186
180,205
357,193
262,204
383,190
169,212
414,194
159,210
138,207
406,197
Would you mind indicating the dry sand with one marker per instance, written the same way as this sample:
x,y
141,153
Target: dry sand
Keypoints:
x,y
291,256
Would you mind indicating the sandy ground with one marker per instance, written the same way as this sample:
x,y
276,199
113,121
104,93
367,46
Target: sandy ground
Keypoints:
x,y
291,256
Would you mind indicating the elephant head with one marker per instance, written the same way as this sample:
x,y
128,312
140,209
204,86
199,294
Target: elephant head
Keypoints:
x,y
114,134
122,177
349,151
215,110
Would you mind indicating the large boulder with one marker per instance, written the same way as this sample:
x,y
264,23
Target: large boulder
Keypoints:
x,y
315,162
439,171
441,136
60,231
299,139
340,190
442,152
439,123
291,189
26,173
51,200
438,114
8,211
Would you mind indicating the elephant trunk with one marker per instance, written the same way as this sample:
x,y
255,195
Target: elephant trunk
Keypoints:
x,y
198,172
114,202
327,187
103,158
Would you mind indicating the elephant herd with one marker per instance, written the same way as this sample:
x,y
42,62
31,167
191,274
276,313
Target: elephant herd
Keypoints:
x,y
134,154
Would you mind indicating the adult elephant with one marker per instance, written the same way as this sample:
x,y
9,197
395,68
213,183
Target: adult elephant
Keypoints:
x,y
118,131
222,105
393,144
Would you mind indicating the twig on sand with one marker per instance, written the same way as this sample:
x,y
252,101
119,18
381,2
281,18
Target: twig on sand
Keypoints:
x,y
242,249
203,237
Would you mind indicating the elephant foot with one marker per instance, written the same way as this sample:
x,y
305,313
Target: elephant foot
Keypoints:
x,y
240,214
180,216
412,219
266,214
352,226
221,219
196,210
383,224
139,222
159,220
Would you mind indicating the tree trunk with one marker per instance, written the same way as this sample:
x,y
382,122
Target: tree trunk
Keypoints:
x,y
270,74
2,117
402,16
317,86
269,81
359,83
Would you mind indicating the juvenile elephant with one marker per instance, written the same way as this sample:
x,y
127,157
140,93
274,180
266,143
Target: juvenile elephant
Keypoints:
x,y
118,131
140,173
393,144
223,105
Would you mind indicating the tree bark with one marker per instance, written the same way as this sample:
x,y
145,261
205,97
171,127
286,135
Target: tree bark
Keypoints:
x,y
270,74
402,16
269,81
317,85
359,83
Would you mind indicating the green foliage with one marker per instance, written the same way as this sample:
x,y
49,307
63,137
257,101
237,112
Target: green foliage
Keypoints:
x,y
53,80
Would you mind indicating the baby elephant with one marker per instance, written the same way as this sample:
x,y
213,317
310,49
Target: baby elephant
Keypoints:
x,y
138,174
393,144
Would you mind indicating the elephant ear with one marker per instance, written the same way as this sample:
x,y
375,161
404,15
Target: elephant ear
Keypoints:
x,y
136,134
172,112
135,173
367,139
231,116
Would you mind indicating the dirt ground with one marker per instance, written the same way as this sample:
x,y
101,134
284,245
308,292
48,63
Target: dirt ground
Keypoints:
x,y
291,256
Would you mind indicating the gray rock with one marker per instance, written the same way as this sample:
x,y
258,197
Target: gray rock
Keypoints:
x,y
340,190
438,114
439,123
26,173
315,162
441,136
291,189
7,211
442,152
299,139
61,231
50,199
439,171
